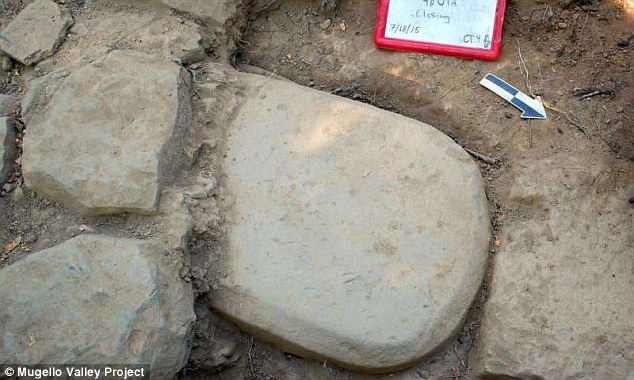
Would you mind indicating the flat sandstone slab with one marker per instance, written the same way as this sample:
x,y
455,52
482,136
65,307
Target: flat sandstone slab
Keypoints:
x,y
109,135
357,236
36,32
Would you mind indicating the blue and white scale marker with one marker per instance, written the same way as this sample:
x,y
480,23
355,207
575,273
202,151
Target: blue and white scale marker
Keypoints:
x,y
531,108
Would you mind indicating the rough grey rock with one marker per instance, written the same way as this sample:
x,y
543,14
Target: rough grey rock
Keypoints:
x,y
356,236
36,32
7,104
221,18
97,299
110,134
159,34
561,303
8,149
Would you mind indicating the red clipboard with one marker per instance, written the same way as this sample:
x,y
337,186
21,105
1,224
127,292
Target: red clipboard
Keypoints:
x,y
491,53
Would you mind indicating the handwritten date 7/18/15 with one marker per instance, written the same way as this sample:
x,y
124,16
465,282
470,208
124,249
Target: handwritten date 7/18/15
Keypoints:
x,y
406,29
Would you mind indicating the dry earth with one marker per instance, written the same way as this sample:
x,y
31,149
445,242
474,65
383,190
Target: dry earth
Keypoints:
x,y
576,54
578,57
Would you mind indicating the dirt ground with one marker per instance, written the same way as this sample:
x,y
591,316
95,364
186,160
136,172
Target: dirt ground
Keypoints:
x,y
576,54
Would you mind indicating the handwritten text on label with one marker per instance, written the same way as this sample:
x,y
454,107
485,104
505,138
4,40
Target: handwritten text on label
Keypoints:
x,y
467,23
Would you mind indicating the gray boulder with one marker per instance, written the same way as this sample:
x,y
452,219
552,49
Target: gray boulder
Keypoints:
x,y
36,32
97,299
356,236
105,138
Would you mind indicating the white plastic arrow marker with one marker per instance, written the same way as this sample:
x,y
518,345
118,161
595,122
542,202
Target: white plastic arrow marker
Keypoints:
x,y
531,108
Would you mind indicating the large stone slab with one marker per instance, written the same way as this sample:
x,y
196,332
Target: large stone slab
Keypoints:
x,y
356,236
8,149
36,32
97,299
561,300
110,134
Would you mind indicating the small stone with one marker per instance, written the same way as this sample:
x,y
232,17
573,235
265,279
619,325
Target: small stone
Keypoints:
x,y
8,148
36,32
211,186
87,229
562,25
197,193
18,195
8,187
326,24
30,238
5,63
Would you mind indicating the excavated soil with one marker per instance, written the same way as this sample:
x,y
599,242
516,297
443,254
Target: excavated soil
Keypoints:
x,y
578,57
576,54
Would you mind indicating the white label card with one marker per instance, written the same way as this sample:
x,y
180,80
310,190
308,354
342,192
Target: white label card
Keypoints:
x,y
464,23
